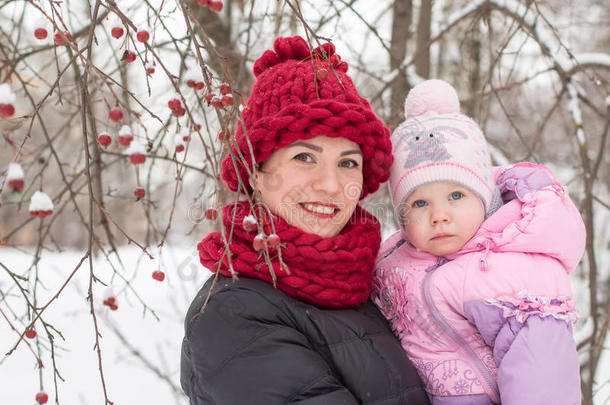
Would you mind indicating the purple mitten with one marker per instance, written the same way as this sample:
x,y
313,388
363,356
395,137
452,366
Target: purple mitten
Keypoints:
x,y
522,179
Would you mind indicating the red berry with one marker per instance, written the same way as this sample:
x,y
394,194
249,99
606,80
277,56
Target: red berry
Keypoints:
x,y
6,110
322,74
225,89
117,32
249,223
178,112
128,56
186,137
16,184
150,67
61,38
142,35
259,242
125,140
40,33
139,192
30,333
273,240
115,114
42,397
104,140
216,102
211,214
215,6
179,148
137,158
227,100
158,275
174,103
223,135
209,97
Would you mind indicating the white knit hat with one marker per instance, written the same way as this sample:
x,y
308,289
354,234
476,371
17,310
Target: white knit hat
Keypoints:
x,y
436,143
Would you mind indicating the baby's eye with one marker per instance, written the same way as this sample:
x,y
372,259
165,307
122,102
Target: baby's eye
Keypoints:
x,y
348,163
456,195
419,203
304,157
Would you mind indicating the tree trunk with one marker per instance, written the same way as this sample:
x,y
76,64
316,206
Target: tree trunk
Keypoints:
x,y
403,11
474,75
422,63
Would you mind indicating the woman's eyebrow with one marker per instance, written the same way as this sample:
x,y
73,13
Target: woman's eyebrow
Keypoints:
x,y
307,145
351,152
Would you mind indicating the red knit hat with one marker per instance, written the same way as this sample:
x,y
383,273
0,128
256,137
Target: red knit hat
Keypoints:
x,y
287,104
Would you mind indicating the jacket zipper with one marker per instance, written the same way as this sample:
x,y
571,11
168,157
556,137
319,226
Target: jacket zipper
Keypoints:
x,y
491,385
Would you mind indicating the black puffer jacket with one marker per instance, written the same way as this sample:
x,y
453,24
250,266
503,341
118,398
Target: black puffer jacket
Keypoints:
x,y
254,344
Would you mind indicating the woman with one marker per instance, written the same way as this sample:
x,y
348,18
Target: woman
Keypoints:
x,y
297,325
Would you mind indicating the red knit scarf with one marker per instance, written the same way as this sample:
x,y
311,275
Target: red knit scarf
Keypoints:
x,y
331,272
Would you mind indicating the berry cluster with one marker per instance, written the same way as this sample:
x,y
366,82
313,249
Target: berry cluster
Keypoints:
x,y
224,99
175,104
213,5
111,303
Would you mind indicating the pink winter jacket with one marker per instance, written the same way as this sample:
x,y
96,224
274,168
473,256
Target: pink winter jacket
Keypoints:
x,y
493,322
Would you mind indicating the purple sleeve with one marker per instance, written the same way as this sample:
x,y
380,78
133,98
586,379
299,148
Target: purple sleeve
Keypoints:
x,y
537,358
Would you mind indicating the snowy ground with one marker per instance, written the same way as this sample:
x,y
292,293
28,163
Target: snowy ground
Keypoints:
x,y
128,379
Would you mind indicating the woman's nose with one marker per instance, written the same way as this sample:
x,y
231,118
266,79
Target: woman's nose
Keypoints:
x,y
327,180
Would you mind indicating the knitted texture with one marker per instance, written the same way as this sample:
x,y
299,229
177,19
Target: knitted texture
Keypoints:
x,y
291,101
436,143
331,272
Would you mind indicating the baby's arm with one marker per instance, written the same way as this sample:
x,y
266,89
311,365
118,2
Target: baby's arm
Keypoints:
x,y
535,352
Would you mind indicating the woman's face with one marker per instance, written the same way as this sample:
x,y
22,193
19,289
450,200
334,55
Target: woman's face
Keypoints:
x,y
314,184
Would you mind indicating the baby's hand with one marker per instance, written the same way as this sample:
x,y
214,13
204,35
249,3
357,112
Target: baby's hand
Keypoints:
x,y
522,179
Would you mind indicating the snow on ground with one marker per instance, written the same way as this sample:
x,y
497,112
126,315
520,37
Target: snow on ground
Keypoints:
x,y
128,380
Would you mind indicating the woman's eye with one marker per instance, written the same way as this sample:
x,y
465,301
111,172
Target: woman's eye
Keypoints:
x,y
349,163
419,203
304,157
456,195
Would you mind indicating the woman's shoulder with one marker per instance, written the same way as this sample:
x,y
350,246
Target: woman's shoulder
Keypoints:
x,y
256,299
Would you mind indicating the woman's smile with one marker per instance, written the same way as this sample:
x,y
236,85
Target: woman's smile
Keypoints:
x,y
320,210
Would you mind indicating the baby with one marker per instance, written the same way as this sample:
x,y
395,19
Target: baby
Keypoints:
x,y
475,283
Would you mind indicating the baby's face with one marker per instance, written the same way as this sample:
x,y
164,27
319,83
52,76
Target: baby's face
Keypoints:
x,y
440,218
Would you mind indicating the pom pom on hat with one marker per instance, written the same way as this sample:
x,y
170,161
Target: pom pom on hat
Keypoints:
x,y
432,97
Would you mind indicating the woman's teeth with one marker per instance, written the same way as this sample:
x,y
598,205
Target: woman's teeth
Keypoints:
x,y
320,209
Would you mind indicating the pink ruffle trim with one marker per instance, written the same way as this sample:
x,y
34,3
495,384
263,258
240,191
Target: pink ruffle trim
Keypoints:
x,y
524,305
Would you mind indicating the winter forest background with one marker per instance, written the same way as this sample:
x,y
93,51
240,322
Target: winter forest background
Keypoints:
x,y
86,278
